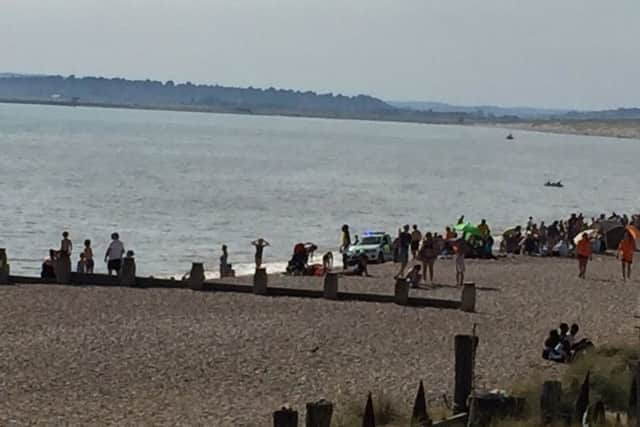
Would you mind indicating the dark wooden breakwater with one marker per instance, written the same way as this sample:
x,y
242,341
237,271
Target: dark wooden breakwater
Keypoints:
x,y
328,286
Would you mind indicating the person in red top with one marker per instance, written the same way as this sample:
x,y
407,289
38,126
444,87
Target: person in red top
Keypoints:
x,y
584,254
625,253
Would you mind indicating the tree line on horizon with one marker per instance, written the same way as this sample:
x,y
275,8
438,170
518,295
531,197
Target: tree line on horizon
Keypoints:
x,y
150,93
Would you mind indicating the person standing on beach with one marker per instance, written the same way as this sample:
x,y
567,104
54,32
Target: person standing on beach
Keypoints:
x,y
416,237
404,241
428,255
66,245
625,253
260,244
65,252
88,257
460,267
114,254
345,242
584,254
484,228
224,262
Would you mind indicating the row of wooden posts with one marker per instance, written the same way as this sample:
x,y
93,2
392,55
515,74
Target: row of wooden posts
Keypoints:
x,y
196,280
471,409
586,412
319,414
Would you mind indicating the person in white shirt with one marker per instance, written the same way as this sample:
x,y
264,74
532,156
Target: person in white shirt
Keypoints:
x,y
113,256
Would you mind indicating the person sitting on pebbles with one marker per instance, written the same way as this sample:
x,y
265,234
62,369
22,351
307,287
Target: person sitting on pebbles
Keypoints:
x,y
361,267
414,277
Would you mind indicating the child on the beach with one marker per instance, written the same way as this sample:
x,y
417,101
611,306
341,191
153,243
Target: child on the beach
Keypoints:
x,y
625,254
260,244
88,257
460,249
81,266
414,277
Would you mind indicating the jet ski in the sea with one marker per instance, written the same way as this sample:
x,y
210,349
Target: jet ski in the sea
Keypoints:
x,y
510,137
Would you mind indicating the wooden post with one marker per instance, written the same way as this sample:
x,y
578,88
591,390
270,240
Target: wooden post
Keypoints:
x,y
260,281
285,417
598,414
369,418
468,297
402,292
128,272
636,381
319,414
465,347
63,270
419,416
4,267
196,276
633,395
550,401
582,402
331,286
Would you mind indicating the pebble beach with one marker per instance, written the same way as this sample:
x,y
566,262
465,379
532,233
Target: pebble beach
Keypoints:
x,y
75,355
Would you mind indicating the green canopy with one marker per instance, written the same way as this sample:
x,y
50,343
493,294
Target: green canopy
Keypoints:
x,y
468,230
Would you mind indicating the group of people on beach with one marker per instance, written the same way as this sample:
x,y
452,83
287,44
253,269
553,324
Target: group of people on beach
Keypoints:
x,y
85,264
463,240
577,237
562,344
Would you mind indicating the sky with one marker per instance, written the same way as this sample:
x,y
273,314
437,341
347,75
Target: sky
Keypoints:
x,y
582,54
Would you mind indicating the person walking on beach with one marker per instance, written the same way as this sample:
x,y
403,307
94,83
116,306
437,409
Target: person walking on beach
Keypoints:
x,y
427,256
114,254
416,237
625,253
88,257
584,254
345,242
260,244
404,241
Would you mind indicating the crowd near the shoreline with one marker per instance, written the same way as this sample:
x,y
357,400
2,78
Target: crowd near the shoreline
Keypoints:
x,y
574,236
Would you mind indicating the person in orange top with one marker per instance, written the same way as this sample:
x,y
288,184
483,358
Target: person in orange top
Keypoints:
x,y
625,253
584,254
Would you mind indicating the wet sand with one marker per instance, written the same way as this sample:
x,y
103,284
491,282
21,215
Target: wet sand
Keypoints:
x,y
99,356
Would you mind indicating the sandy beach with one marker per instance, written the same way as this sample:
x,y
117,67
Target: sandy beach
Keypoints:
x,y
606,128
106,356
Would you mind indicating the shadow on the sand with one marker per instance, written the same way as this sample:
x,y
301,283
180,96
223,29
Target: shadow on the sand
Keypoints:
x,y
440,286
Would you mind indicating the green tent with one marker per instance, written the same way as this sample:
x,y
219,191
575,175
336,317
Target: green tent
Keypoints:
x,y
468,230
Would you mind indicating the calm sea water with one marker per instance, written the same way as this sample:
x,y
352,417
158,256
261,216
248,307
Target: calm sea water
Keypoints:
x,y
178,185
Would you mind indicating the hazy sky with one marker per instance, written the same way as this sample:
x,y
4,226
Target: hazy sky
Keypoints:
x,y
557,53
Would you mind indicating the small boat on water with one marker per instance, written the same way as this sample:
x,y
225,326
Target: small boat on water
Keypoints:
x,y
510,137
557,184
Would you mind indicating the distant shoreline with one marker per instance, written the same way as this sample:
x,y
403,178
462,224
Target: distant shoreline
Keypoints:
x,y
402,117
623,129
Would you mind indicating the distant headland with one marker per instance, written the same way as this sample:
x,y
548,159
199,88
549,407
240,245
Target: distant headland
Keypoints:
x,y
149,94
156,95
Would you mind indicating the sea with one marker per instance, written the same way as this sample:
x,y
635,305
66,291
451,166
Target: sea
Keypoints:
x,y
178,185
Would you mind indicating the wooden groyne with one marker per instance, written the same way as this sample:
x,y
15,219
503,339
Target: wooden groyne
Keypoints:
x,y
328,286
